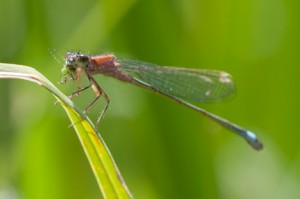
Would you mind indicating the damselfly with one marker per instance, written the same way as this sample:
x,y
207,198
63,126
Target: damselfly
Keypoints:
x,y
179,84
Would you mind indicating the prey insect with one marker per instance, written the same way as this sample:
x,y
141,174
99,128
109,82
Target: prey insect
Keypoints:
x,y
179,84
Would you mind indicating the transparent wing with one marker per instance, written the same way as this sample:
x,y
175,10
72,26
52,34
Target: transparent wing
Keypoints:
x,y
196,85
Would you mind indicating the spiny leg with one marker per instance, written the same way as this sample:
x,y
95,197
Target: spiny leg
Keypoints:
x,y
105,108
98,92
77,93
79,88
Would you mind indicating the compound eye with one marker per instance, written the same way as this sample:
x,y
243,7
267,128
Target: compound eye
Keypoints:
x,y
83,60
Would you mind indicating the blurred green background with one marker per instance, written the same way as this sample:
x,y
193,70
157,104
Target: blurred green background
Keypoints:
x,y
162,149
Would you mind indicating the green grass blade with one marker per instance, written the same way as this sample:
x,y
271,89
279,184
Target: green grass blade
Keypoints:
x,y
104,168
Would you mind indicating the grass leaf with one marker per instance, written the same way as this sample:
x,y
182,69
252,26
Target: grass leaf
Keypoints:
x,y
104,168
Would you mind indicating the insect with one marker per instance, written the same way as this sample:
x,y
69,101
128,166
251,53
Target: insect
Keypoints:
x,y
179,84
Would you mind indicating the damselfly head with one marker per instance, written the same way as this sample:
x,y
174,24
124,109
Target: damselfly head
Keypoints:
x,y
72,62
